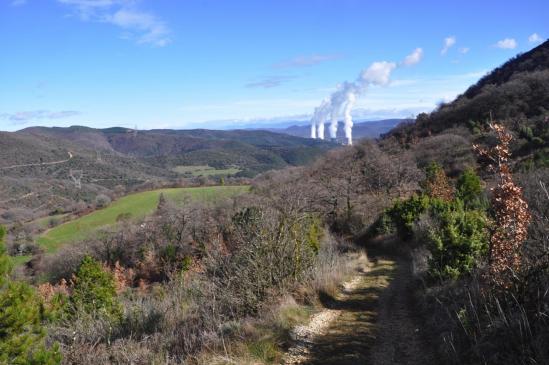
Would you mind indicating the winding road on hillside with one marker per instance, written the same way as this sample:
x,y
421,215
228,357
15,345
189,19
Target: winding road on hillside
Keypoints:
x,y
372,321
39,163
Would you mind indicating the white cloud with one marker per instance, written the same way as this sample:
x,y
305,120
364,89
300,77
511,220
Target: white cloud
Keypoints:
x,y
413,57
18,2
378,73
535,38
448,43
301,61
149,29
464,50
27,116
143,27
270,81
507,43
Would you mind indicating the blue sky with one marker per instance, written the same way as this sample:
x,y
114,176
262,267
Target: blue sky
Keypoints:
x,y
217,64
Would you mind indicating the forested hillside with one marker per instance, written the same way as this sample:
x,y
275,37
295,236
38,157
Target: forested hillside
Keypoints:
x,y
516,94
37,163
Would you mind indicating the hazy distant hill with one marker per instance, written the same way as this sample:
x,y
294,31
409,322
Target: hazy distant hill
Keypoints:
x,y
361,130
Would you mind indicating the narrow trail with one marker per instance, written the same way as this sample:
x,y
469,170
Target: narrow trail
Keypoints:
x,y
372,321
39,163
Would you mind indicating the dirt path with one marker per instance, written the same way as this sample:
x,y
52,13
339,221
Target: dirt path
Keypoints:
x,y
39,163
371,321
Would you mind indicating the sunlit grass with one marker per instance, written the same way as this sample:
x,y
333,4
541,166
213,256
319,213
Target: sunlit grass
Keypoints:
x,y
136,206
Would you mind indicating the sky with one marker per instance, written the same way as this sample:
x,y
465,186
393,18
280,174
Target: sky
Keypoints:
x,y
234,63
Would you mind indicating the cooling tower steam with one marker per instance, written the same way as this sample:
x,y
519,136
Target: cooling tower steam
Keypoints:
x,y
351,99
313,129
344,98
318,119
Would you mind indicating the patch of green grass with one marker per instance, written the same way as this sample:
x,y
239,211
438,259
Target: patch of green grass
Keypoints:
x,y
20,260
138,205
205,170
292,315
265,350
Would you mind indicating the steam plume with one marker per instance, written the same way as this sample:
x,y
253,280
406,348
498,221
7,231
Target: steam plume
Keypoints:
x,y
349,119
319,117
344,98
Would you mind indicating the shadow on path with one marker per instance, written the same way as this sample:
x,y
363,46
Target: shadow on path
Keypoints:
x,y
377,323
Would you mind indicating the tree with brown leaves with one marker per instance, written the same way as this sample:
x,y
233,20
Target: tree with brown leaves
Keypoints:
x,y
437,185
511,212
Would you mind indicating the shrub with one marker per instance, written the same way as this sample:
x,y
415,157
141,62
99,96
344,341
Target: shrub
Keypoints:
x,y
21,330
458,239
102,201
511,214
436,185
123,217
404,213
469,189
94,291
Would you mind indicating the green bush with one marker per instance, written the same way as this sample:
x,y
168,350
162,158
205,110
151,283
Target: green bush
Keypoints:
x,y
459,238
314,234
21,316
95,291
456,237
404,214
469,190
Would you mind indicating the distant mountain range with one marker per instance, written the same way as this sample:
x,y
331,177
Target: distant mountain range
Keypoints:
x,y
361,129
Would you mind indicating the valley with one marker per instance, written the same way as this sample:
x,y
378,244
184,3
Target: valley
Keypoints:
x,y
133,207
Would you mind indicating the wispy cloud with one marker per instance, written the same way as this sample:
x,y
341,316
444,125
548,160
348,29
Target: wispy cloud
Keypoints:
x,y
448,43
535,38
87,9
18,2
304,61
148,28
141,26
32,115
464,50
507,43
270,81
413,57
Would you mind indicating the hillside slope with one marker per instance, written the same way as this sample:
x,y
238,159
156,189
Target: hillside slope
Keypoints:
x,y
515,94
35,166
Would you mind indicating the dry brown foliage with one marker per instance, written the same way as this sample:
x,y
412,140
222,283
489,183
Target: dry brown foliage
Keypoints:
x,y
123,277
439,186
47,291
511,212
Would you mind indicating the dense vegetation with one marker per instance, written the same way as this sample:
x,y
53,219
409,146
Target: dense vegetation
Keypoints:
x,y
224,283
516,94
37,164
22,334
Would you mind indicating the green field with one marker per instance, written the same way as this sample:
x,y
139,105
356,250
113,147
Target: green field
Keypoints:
x,y
138,205
205,170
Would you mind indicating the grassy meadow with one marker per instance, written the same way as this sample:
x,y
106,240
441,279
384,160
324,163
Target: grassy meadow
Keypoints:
x,y
136,206
205,170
